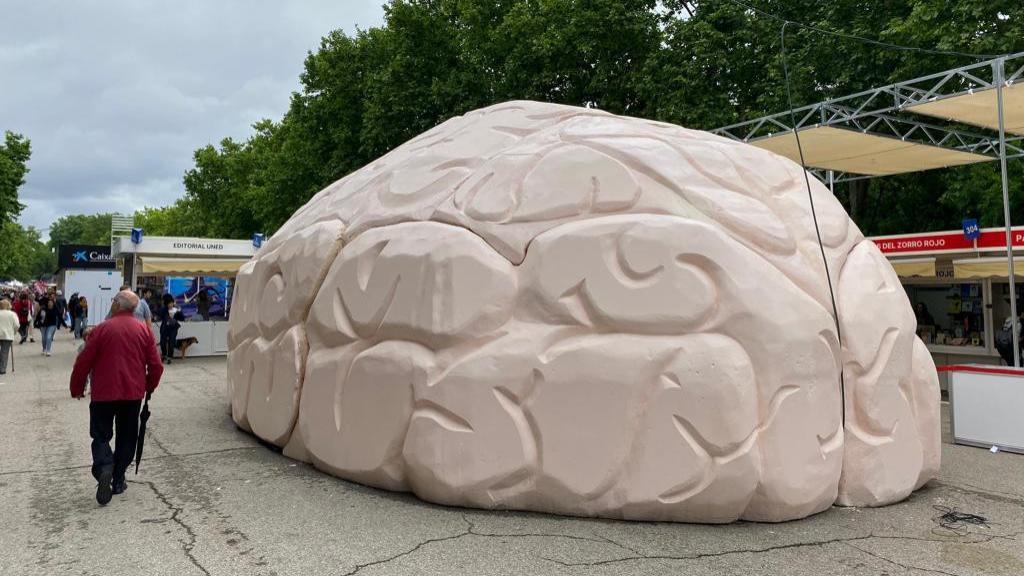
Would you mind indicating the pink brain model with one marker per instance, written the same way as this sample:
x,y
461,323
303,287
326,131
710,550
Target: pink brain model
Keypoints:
x,y
551,308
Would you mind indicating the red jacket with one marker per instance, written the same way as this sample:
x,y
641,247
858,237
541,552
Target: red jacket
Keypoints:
x,y
23,308
121,355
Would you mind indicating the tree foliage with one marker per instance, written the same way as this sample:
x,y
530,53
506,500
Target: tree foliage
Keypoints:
x,y
23,255
14,155
80,229
698,63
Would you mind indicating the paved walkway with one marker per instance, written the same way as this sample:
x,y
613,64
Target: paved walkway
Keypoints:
x,y
211,500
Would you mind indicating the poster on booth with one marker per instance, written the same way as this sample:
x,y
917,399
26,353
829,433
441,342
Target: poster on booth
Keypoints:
x,y
200,297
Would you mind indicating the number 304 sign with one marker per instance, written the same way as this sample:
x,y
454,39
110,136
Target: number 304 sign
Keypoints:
x,y
971,229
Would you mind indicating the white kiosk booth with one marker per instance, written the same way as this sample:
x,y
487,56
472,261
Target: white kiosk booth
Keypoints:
x,y
198,272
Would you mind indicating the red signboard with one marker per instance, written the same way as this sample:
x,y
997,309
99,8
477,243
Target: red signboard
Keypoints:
x,y
949,241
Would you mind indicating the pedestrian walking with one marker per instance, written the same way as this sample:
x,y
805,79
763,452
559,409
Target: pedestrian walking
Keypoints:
x,y
121,361
9,325
61,305
142,312
25,309
73,311
47,320
81,316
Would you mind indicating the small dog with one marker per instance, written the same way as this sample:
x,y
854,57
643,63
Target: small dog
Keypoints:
x,y
182,344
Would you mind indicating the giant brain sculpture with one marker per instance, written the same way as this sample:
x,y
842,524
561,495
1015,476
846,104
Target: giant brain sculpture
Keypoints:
x,y
551,308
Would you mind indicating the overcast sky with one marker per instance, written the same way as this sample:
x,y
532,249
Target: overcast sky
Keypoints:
x,y
117,94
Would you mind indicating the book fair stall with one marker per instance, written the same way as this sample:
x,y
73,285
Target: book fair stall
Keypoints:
x,y
961,283
198,272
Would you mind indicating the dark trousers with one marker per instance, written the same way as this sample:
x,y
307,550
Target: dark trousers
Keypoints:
x,y
168,338
23,329
104,418
5,354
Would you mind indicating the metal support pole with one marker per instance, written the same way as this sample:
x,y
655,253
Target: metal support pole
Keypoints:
x,y
1000,72
832,182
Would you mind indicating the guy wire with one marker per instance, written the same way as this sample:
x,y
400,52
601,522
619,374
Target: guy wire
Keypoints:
x,y
814,216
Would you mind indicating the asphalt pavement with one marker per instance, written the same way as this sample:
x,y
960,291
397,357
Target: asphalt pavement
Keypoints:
x,y
209,499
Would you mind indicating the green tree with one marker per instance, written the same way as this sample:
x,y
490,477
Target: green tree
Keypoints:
x,y
178,219
14,155
80,229
698,63
24,256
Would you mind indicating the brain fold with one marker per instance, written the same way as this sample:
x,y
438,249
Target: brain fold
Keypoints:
x,y
550,308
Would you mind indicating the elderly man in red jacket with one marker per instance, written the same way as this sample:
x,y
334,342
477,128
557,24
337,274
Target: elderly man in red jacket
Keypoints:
x,y
124,365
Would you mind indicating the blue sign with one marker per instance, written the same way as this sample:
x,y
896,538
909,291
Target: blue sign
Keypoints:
x,y
136,235
257,240
971,229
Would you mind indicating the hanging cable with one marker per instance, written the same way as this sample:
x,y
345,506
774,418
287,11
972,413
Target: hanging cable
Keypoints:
x,y
814,216
848,36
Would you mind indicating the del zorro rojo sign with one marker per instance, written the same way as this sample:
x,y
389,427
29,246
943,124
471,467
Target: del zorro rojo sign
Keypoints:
x,y
948,241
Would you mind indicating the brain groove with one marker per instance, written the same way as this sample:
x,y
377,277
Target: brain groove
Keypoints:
x,y
541,307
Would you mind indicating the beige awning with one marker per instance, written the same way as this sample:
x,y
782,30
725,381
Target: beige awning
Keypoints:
x,y
986,268
979,108
226,267
847,150
907,267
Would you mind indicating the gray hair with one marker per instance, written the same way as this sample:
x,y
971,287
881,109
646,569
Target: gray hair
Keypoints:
x,y
126,300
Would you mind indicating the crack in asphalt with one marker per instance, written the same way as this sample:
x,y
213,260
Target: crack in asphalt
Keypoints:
x,y
186,546
466,532
1005,497
641,557
471,530
906,567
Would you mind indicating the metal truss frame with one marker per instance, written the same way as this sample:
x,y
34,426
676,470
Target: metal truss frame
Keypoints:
x,y
873,112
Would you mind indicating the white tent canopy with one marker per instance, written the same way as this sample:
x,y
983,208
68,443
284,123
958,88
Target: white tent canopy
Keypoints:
x,y
876,133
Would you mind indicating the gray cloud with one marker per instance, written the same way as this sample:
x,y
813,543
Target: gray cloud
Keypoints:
x,y
116,95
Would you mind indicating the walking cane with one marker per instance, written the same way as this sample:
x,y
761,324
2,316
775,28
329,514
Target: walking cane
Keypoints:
x,y
12,356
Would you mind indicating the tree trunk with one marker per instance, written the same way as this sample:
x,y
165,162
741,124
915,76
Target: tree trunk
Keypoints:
x,y
858,194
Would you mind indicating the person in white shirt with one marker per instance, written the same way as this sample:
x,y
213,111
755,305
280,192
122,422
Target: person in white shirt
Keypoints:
x,y
9,325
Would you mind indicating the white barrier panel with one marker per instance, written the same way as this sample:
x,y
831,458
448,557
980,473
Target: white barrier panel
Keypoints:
x,y
987,406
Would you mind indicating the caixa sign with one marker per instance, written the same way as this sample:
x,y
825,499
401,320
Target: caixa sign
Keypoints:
x,y
82,256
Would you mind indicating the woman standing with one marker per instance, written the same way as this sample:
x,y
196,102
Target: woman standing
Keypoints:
x,y
47,321
203,305
81,316
170,321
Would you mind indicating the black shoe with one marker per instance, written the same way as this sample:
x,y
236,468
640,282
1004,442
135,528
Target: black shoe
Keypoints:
x,y
119,486
103,492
